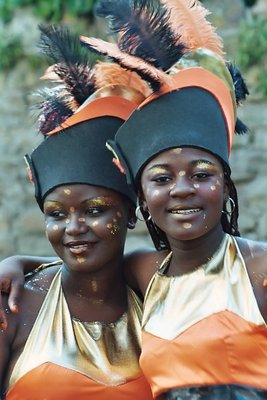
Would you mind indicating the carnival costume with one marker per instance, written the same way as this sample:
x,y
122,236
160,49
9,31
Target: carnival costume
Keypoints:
x,y
215,349
65,358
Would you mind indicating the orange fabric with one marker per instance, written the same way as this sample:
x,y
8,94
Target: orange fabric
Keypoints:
x,y
199,77
220,349
112,106
52,382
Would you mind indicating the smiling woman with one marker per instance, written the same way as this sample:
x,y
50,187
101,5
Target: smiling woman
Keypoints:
x,y
204,324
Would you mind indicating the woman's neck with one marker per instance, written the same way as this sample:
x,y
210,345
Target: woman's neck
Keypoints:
x,y
187,256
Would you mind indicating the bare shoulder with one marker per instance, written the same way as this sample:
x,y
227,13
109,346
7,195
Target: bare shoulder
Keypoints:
x,y
254,253
141,265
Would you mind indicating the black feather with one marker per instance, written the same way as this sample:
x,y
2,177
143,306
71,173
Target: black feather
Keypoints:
x,y
54,109
241,90
143,30
73,65
240,127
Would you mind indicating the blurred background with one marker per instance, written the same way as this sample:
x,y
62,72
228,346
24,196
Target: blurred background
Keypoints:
x,y
243,26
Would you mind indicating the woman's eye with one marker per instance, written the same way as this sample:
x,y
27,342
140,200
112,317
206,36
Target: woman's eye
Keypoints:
x,y
56,214
94,211
161,179
201,175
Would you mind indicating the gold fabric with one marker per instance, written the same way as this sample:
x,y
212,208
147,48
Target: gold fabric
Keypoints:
x,y
108,353
179,302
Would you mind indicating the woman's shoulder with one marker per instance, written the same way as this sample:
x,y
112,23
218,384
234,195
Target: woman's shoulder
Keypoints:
x,y
141,265
254,253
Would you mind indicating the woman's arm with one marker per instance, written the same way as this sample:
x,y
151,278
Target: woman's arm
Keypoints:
x,y
12,270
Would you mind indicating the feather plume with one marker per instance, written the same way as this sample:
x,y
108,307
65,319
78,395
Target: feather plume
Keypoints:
x,y
112,74
54,109
72,64
143,30
241,90
147,71
188,21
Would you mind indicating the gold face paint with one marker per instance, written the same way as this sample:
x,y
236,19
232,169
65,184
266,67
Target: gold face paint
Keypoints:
x,y
265,282
114,227
202,164
100,202
81,219
118,213
178,150
67,192
181,173
94,286
81,260
187,225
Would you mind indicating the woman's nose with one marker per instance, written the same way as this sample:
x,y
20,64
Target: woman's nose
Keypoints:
x,y
182,187
76,225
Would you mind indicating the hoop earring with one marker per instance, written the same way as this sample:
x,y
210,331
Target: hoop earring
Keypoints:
x,y
139,215
232,206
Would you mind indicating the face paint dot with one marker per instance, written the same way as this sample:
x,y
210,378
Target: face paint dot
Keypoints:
x,y
94,286
187,225
218,183
81,260
213,187
81,219
182,173
55,228
67,221
72,209
67,191
196,185
95,223
178,150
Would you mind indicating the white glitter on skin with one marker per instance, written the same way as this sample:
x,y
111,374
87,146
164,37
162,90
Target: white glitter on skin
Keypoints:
x,y
67,192
187,225
55,228
67,221
182,173
213,188
95,223
196,185
81,219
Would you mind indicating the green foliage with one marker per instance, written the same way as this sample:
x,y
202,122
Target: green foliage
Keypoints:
x,y
11,51
49,10
253,42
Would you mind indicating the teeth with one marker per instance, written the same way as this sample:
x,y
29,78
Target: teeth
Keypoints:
x,y
189,211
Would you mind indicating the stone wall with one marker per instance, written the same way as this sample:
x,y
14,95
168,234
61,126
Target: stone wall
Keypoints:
x,y
21,222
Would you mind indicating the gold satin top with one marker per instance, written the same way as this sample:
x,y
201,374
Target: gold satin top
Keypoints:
x,y
173,304
107,353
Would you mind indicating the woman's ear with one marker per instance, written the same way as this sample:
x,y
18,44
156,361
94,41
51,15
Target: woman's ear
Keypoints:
x,y
131,218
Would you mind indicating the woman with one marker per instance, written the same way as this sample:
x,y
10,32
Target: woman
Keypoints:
x,y
78,333
205,311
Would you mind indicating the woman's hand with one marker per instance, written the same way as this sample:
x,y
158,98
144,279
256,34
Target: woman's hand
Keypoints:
x,y
12,270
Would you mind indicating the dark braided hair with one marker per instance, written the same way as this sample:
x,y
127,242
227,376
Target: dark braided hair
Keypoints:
x,y
229,220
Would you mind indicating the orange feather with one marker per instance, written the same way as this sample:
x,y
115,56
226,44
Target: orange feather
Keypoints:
x,y
129,61
112,74
188,19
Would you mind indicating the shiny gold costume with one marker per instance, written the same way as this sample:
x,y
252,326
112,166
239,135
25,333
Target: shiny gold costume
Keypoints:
x,y
105,353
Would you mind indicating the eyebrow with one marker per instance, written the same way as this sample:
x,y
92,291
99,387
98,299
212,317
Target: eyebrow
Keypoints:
x,y
197,163
193,163
54,203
